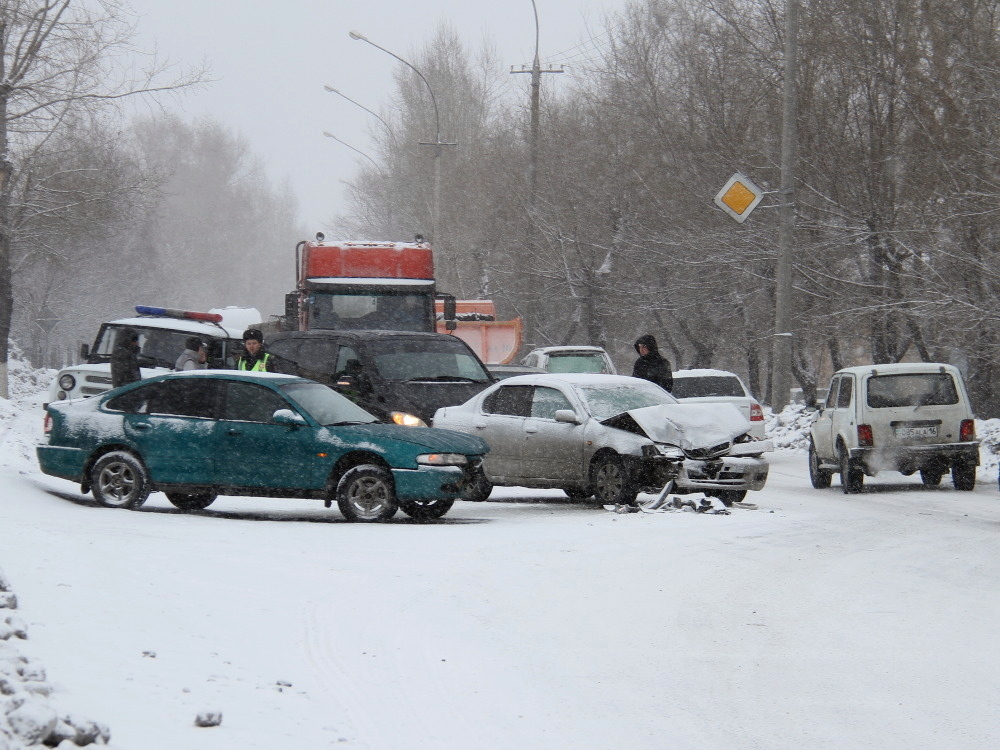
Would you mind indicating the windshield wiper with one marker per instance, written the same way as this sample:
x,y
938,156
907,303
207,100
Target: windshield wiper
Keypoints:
x,y
444,379
348,422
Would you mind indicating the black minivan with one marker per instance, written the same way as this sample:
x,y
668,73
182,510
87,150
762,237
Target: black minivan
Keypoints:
x,y
399,376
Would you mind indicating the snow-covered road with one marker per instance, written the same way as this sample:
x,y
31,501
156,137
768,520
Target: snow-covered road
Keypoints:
x,y
819,620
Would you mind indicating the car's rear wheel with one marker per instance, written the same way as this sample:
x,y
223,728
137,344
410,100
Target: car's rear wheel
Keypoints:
x,y
191,501
578,493
931,477
611,481
728,497
366,494
478,489
852,476
820,478
425,510
963,476
119,480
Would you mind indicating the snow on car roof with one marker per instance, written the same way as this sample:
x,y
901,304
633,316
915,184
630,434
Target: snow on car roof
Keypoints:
x,y
703,372
898,367
573,378
581,348
180,324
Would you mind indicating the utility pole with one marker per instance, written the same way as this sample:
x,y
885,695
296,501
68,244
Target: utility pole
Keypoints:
x,y
781,357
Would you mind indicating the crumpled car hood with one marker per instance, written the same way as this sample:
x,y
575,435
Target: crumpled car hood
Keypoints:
x,y
691,426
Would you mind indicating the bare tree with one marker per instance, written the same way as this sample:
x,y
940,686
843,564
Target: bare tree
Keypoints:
x,y
56,59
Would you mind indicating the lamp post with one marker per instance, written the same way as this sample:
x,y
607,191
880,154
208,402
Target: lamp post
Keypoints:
x,y
437,143
358,151
392,135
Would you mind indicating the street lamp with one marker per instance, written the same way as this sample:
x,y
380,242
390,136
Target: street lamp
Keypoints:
x,y
392,135
437,144
358,151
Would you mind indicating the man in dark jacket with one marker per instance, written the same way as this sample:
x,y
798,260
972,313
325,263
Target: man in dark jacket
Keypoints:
x,y
125,358
652,365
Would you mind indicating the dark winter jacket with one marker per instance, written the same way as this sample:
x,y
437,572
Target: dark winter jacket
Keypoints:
x,y
652,366
125,360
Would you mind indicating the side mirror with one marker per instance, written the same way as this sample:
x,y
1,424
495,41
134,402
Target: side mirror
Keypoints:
x,y
84,352
566,415
288,417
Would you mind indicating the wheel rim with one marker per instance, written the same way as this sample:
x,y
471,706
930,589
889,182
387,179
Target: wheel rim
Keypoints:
x,y
369,497
609,483
117,483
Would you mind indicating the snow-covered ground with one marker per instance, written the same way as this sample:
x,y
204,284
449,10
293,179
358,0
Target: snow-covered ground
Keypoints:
x,y
819,620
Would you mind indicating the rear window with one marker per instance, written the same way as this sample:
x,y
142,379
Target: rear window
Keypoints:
x,y
578,362
912,389
709,385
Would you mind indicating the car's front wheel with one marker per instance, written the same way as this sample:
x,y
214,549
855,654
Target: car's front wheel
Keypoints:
x,y
729,497
852,476
366,493
425,510
191,501
119,480
611,481
820,478
478,489
963,476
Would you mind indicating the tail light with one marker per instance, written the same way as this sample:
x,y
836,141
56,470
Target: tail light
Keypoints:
x,y
756,413
865,438
47,423
967,430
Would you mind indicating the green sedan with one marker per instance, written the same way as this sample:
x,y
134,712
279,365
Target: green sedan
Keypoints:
x,y
196,435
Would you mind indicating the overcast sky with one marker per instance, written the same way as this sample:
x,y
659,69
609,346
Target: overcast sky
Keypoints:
x,y
271,61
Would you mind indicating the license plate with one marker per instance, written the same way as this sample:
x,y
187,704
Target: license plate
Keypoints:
x,y
909,432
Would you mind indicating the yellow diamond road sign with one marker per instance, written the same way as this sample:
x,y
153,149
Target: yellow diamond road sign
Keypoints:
x,y
739,197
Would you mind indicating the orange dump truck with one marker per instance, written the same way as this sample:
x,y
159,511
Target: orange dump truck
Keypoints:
x,y
356,285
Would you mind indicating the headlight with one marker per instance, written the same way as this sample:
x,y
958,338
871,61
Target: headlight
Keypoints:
x,y
67,382
661,450
406,419
442,459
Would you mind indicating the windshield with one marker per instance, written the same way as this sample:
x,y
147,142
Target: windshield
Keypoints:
x,y
709,385
440,358
326,406
578,362
605,401
911,389
371,311
160,347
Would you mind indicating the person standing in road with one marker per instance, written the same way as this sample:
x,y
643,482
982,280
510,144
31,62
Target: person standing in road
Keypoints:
x,y
651,365
255,358
194,357
125,358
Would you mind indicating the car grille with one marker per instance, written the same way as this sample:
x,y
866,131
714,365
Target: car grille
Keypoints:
x,y
711,452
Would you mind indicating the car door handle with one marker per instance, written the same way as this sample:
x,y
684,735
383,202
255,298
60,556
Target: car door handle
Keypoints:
x,y
234,431
531,429
141,425
480,425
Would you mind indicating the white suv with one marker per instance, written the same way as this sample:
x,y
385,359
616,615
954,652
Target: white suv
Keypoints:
x,y
904,417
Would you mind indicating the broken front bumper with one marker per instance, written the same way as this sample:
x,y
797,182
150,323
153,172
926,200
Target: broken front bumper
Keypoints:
x,y
726,473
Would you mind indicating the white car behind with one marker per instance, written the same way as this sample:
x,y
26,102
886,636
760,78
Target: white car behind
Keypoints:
x,y
710,386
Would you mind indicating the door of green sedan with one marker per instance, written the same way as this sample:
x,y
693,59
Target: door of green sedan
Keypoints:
x,y
254,451
172,425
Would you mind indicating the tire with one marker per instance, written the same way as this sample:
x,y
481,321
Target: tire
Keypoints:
x,y
931,477
963,476
852,478
577,493
191,501
425,510
478,489
728,497
611,481
366,494
119,480
820,478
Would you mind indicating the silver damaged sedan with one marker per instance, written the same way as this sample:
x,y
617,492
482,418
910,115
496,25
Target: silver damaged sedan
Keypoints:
x,y
610,436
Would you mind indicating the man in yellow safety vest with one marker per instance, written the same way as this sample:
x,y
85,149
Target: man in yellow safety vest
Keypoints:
x,y
255,359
